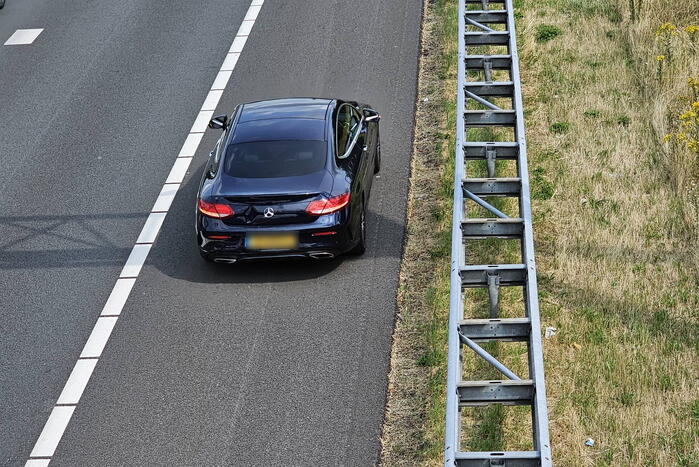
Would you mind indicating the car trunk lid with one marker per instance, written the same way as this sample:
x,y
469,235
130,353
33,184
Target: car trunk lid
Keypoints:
x,y
273,201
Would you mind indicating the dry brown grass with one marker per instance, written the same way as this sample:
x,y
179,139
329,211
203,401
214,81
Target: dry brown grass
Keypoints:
x,y
616,236
617,258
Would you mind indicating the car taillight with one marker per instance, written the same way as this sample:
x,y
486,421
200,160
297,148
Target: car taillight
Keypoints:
x,y
216,210
328,205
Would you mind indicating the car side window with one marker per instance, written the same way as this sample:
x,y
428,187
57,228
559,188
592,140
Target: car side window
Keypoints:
x,y
356,123
343,124
349,124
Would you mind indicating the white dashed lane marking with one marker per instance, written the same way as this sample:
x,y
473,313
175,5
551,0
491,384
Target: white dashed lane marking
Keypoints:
x,y
167,194
222,80
117,299
23,36
189,148
37,463
77,381
53,430
230,62
82,371
212,99
155,221
179,170
99,337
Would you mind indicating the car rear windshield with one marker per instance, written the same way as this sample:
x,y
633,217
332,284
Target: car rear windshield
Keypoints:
x,y
272,159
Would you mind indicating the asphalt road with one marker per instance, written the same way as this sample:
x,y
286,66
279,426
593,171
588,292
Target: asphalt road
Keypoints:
x,y
261,364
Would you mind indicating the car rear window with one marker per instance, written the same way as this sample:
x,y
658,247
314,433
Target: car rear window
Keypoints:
x,y
272,159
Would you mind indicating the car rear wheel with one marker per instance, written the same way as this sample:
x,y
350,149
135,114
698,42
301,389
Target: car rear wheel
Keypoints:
x,y
2,3
361,246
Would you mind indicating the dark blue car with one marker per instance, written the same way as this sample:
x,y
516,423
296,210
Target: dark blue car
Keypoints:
x,y
288,178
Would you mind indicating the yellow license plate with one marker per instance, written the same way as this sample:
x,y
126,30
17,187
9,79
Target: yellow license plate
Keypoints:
x,y
272,241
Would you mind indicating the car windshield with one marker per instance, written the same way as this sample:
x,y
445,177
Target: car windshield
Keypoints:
x,y
272,159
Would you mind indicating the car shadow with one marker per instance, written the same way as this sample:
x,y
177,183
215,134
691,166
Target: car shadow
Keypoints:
x,y
176,253
93,240
66,241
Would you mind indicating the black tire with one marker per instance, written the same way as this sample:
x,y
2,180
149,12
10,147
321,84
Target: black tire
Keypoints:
x,y
361,246
2,3
377,160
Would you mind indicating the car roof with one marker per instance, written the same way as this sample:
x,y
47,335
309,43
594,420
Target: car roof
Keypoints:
x,y
275,129
281,119
310,108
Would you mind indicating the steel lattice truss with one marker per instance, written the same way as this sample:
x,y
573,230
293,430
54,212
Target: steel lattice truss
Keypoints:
x,y
489,97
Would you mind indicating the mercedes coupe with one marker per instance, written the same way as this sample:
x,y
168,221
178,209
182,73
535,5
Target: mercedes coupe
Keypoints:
x,y
288,178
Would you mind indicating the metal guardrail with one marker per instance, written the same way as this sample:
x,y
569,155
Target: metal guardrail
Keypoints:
x,y
485,80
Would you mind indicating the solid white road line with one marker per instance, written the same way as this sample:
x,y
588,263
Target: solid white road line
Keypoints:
x,y
77,382
23,36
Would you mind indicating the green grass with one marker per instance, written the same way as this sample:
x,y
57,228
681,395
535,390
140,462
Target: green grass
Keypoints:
x,y
559,127
547,32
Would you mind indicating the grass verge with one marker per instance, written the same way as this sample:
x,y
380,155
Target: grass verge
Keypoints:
x,y
616,210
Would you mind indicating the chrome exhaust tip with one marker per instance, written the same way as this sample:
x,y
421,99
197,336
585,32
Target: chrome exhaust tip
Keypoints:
x,y
225,260
321,255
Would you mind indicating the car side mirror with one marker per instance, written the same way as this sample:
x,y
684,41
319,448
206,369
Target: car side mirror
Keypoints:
x,y
371,115
219,122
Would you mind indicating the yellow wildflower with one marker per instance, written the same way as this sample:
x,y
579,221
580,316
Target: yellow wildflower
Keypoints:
x,y
691,29
660,58
666,29
688,115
